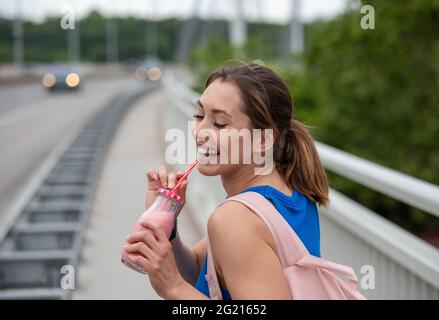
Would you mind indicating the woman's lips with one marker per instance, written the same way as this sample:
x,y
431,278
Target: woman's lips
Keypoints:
x,y
207,153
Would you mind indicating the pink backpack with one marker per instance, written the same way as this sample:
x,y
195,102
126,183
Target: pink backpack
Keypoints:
x,y
308,277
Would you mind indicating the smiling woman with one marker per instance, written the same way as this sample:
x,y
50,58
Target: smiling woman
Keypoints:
x,y
240,246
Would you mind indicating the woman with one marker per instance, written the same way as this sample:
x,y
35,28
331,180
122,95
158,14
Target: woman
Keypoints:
x,y
242,96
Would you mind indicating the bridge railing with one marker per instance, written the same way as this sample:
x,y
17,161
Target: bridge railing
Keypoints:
x,y
390,262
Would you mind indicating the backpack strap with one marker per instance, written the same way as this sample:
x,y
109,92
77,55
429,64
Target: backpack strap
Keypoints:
x,y
290,247
211,276
289,252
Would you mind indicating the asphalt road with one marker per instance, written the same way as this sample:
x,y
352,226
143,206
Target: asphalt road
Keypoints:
x,y
34,121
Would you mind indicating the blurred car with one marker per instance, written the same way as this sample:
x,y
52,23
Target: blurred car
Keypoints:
x,y
150,69
61,78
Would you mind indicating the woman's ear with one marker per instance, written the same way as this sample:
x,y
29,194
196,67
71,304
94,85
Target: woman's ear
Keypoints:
x,y
263,144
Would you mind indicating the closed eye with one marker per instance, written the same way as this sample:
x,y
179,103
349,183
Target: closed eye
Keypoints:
x,y
198,116
220,126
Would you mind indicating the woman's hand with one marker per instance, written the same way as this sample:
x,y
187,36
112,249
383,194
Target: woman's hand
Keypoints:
x,y
160,179
152,251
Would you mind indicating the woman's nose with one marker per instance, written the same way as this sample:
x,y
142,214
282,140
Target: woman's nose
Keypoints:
x,y
201,138
203,135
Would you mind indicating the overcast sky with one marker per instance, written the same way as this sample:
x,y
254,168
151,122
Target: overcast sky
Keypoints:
x,y
271,10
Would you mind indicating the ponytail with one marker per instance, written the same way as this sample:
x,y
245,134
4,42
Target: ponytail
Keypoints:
x,y
299,163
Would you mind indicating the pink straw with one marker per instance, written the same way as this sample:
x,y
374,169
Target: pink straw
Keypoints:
x,y
185,174
180,181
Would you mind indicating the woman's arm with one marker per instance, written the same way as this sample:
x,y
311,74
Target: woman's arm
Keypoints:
x,y
245,254
242,248
189,260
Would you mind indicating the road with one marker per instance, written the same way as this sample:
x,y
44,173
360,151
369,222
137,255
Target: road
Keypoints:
x,y
33,122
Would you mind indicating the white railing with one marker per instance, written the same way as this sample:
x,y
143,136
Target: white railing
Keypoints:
x,y
407,189
404,266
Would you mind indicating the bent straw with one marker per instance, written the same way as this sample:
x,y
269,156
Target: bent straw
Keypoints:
x,y
185,174
180,181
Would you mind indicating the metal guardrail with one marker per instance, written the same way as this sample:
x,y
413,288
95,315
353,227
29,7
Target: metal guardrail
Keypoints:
x,y
407,189
405,267
45,230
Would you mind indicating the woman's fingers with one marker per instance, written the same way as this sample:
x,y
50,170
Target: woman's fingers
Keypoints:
x,y
139,236
151,174
140,248
163,177
139,260
153,179
149,249
160,179
172,178
146,237
157,231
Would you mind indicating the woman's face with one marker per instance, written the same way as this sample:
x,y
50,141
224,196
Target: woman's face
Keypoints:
x,y
219,113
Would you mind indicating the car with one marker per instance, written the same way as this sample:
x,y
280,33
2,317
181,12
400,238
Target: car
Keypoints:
x,y
61,78
149,69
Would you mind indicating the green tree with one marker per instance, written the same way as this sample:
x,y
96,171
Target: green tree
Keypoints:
x,y
376,94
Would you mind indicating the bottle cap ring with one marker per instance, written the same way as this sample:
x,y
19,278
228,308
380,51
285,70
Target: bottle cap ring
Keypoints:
x,y
170,194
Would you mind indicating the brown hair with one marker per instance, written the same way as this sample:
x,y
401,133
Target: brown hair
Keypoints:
x,y
268,103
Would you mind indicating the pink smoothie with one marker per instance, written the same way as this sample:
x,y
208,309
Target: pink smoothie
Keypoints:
x,y
162,214
163,218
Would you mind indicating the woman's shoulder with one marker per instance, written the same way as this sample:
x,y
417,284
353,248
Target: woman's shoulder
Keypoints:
x,y
237,222
230,214
240,250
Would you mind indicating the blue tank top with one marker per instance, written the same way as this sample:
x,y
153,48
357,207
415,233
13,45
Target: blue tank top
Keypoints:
x,y
300,213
